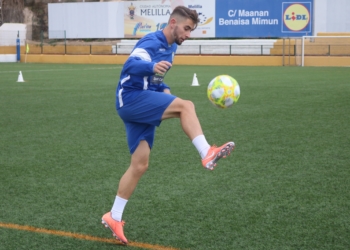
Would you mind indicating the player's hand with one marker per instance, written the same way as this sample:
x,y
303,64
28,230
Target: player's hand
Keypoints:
x,y
161,67
167,91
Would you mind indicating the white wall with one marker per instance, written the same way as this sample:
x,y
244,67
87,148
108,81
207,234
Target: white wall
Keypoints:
x,y
331,16
9,32
86,20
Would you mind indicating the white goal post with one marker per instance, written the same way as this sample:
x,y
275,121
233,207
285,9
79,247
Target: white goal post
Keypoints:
x,y
314,46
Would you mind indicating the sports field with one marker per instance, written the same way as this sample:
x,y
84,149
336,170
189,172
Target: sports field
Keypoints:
x,y
285,186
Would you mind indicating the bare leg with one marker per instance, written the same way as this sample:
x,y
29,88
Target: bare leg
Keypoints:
x,y
184,110
138,166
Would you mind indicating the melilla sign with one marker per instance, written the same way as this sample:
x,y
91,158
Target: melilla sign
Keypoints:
x,y
142,17
221,19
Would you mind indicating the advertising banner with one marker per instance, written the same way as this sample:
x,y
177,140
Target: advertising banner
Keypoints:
x,y
263,18
142,17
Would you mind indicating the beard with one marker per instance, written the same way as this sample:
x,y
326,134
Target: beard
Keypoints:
x,y
177,39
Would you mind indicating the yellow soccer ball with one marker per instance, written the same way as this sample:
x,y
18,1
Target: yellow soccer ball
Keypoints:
x,y
223,91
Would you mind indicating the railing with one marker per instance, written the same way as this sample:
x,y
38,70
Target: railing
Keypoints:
x,y
327,50
229,50
281,47
208,49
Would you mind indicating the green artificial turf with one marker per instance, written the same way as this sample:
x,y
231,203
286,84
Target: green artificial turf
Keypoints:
x,y
286,186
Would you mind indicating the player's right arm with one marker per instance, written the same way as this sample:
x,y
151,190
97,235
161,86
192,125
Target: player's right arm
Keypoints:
x,y
136,65
140,60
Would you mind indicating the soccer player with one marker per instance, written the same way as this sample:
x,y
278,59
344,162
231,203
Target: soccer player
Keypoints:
x,y
144,100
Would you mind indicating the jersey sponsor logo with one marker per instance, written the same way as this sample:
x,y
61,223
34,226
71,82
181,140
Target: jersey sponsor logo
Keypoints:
x,y
157,79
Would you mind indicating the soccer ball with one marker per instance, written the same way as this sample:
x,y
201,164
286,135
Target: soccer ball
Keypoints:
x,y
223,91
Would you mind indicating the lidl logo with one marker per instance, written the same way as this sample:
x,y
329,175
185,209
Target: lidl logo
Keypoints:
x,y
297,17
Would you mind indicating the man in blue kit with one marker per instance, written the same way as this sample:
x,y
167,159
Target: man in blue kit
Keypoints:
x,y
144,100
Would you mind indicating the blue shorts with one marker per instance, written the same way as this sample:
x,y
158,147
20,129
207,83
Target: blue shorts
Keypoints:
x,y
142,115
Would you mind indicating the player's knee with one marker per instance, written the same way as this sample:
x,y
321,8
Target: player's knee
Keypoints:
x,y
188,105
140,168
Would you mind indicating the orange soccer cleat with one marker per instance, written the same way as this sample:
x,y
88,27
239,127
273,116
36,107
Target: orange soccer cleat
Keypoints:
x,y
115,226
216,153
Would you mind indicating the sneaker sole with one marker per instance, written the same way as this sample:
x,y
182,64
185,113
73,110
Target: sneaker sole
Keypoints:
x,y
114,235
226,151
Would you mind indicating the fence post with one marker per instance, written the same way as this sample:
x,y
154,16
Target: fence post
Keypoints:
x,y
18,48
262,49
289,54
283,46
41,40
65,43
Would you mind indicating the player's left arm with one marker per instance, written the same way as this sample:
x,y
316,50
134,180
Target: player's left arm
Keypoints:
x,y
164,88
159,87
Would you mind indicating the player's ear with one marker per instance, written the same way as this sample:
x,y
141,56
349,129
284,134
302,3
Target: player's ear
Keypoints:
x,y
172,21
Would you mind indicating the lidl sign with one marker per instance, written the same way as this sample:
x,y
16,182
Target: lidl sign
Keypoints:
x,y
296,17
263,18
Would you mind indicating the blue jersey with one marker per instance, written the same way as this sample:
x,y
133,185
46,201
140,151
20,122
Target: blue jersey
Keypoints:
x,y
137,73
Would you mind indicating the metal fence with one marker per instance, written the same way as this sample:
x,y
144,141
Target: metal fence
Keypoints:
x,y
55,42
88,48
9,37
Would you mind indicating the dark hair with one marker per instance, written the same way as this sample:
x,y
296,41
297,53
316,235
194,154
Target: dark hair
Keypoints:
x,y
187,13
